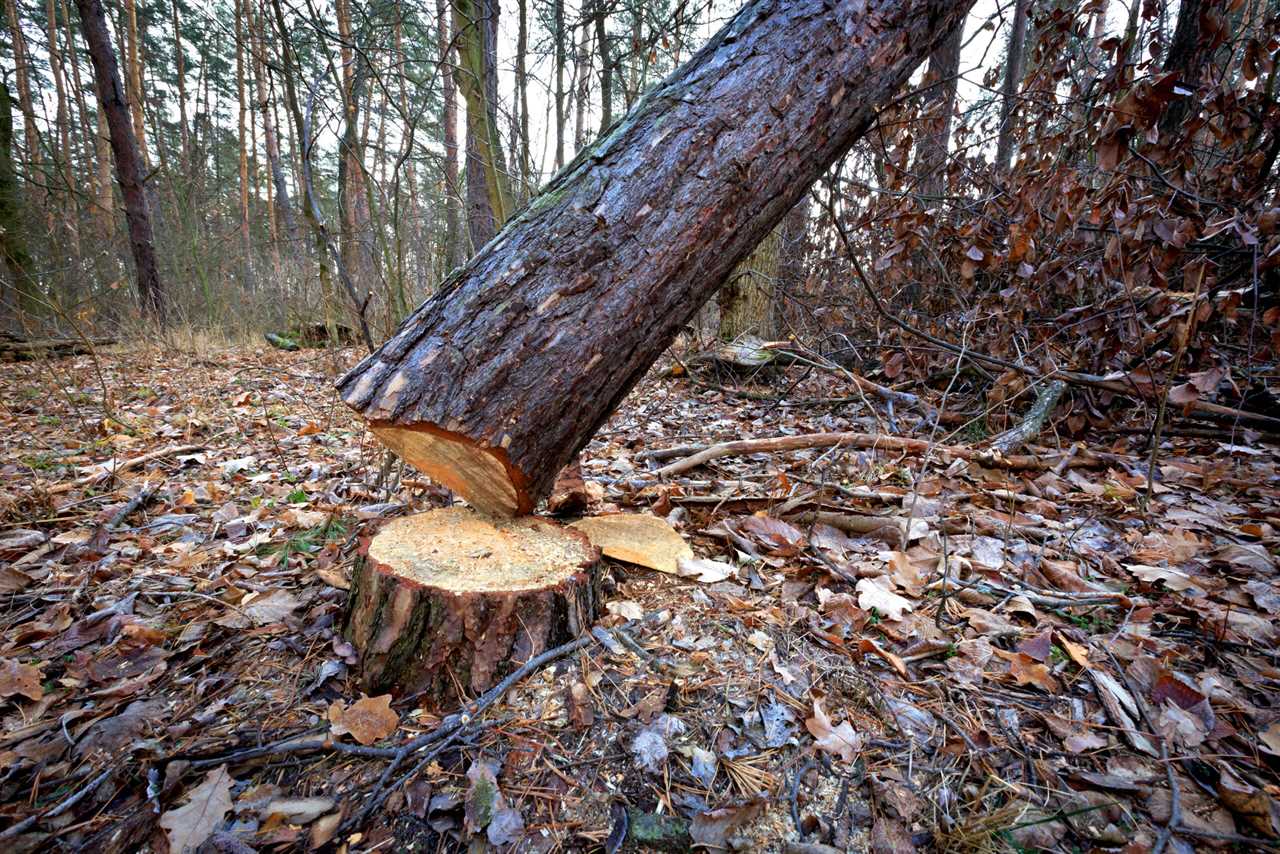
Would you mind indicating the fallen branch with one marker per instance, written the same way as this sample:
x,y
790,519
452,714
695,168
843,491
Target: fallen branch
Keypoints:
x,y
125,465
898,528
23,349
453,723
866,441
1031,425
808,357
62,806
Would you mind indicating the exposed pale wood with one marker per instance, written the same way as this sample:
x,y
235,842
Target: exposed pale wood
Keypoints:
x,y
1031,425
447,602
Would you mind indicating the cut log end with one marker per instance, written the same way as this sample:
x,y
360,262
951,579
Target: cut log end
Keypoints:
x,y
483,476
448,602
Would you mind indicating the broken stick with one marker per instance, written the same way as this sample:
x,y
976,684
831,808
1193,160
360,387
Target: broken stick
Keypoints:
x,y
866,441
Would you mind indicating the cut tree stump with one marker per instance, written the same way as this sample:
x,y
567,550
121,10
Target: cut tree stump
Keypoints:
x,y
494,383
447,602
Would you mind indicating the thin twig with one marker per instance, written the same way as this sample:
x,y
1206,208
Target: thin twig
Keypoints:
x,y
64,805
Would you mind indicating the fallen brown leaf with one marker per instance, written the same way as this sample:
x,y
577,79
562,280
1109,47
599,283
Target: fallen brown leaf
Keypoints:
x,y
367,720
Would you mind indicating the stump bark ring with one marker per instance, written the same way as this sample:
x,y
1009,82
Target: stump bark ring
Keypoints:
x,y
445,603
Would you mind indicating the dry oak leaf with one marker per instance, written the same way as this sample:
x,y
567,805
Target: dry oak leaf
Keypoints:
x,y
1079,653
637,538
710,830
872,593
1027,671
778,537
190,825
19,678
367,720
270,607
840,740
1172,578
705,570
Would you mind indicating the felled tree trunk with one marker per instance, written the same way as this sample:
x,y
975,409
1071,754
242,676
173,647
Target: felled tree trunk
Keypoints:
x,y
499,378
448,602
129,157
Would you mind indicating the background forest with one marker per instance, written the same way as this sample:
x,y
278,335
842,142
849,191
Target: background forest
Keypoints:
x,y
1051,181
948,523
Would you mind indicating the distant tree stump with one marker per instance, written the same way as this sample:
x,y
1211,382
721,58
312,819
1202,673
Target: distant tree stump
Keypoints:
x,y
446,603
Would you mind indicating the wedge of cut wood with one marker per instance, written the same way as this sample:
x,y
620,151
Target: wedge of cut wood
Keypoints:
x,y
637,538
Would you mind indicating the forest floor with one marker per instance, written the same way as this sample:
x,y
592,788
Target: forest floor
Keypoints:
x,y
1011,658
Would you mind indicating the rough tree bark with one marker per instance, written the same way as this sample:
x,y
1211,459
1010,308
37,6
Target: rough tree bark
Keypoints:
x,y
453,254
1009,88
1189,54
447,602
557,15
489,204
747,298
129,168
939,104
13,247
498,379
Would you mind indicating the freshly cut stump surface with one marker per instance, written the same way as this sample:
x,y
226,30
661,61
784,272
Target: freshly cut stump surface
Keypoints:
x,y
449,601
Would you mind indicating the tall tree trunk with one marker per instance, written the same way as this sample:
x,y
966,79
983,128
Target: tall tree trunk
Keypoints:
x,y
105,201
310,206
522,97
939,104
246,247
582,69
557,13
506,372
632,88
180,63
13,247
72,57
354,214
22,76
453,250
1009,89
606,67
793,248
403,303
129,165
284,211
1189,54
489,202
62,116
747,298
133,65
